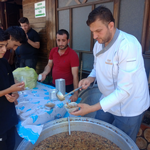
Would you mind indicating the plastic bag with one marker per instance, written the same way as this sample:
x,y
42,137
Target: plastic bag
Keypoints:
x,y
27,75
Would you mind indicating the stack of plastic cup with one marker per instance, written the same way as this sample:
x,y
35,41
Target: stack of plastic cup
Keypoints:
x,y
52,94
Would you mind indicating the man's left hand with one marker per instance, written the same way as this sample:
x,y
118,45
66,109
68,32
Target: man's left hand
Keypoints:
x,y
74,97
12,98
27,37
84,109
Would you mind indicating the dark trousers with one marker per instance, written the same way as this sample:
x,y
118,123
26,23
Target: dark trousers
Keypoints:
x,y
129,125
7,140
28,62
69,88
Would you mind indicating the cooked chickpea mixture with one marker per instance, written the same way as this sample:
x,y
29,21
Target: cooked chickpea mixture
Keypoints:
x,y
76,141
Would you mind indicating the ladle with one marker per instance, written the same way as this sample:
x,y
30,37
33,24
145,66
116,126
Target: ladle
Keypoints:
x,y
69,126
61,97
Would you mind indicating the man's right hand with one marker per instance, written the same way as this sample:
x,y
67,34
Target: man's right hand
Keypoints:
x,y
17,87
43,77
85,83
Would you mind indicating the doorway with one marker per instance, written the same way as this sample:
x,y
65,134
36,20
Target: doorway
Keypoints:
x,y
12,11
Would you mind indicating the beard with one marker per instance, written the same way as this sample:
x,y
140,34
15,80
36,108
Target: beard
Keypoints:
x,y
105,39
62,47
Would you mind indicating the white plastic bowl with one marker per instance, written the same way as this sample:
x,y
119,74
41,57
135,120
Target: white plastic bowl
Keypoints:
x,y
72,104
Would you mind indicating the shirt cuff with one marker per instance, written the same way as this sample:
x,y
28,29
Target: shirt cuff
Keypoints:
x,y
104,105
113,99
93,73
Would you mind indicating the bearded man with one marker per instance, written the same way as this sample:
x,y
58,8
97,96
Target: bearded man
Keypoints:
x,y
120,74
64,62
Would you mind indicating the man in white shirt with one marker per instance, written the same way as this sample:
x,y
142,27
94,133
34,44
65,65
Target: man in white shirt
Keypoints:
x,y
120,74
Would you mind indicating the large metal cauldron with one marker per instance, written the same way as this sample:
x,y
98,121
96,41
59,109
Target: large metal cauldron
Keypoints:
x,y
83,124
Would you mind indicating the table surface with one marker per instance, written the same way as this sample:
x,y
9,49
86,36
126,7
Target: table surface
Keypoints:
x,y
32,111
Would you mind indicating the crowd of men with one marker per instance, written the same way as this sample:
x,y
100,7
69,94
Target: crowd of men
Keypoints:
x,y
26,54
118,68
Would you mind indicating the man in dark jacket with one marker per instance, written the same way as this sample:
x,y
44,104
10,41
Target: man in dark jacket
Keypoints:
x,y
28,51
11,38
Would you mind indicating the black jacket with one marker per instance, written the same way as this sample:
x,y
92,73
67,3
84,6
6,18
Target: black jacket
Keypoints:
x,y
8,116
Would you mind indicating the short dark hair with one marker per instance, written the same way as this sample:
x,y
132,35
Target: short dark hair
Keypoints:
x,y
63,31
17,34
102,13
24,20
4,36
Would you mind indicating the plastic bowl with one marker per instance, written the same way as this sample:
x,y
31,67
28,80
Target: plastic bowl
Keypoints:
x,y
71,107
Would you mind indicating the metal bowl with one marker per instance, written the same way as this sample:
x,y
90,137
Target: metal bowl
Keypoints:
x,y
86,124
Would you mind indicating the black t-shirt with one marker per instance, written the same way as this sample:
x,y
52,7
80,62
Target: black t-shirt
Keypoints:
x,y
8,116
26,50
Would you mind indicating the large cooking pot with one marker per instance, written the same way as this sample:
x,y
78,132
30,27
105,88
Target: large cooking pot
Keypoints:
x,y
83,124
